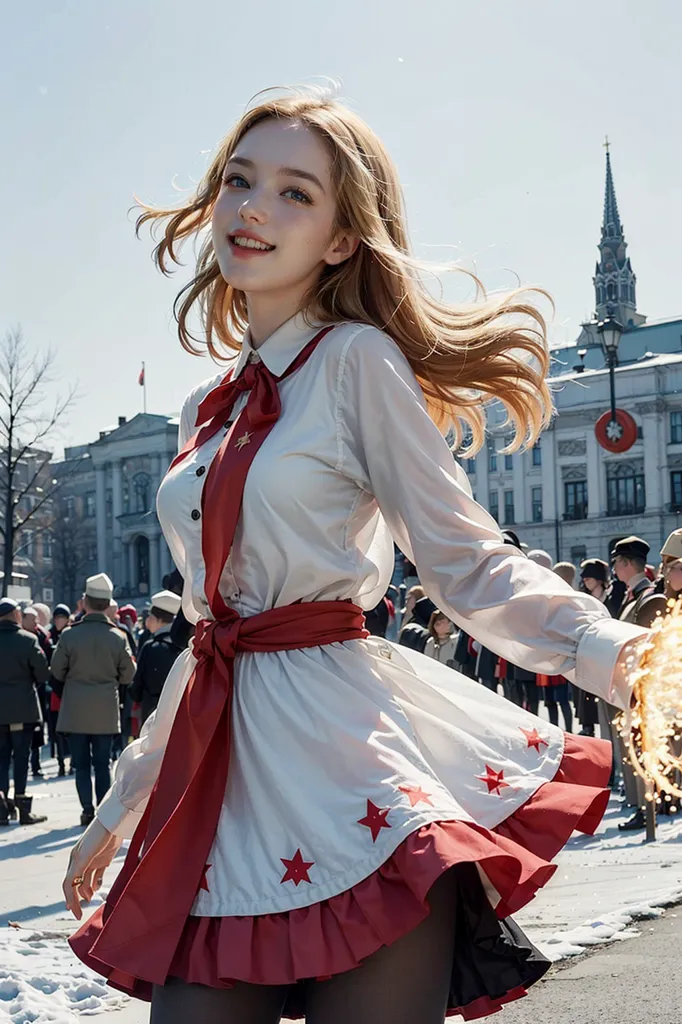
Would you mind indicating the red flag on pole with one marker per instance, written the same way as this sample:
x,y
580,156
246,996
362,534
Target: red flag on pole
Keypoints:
x,y
140,379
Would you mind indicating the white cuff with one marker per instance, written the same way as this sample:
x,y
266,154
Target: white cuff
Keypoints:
x,y
116,817
601,656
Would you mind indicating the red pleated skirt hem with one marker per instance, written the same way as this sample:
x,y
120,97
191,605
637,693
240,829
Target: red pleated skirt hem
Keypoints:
x,y
337,934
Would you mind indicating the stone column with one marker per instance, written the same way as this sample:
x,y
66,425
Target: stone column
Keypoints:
x,y
117,510
520,497
595,477
550,489
482,482
132,567
549,472
166,560
154,578
101,513
651,425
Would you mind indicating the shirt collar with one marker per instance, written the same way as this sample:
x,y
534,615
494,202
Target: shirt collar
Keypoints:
x,y
281,348
637,580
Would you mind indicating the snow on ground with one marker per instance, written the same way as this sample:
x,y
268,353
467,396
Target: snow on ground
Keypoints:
x,y
605,885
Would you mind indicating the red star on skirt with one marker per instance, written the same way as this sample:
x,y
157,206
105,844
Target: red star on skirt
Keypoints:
x,y
375,819
415,794
296,869
494,780
203,884
534,738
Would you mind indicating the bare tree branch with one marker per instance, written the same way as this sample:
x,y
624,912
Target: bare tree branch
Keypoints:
x,y
27,426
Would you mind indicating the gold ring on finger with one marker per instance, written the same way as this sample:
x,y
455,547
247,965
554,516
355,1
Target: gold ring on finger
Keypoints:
x,y
78,880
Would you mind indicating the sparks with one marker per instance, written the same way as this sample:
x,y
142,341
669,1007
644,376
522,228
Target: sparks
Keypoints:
x,y
652,728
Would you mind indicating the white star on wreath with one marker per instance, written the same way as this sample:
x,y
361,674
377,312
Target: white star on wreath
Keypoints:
x,y
614,431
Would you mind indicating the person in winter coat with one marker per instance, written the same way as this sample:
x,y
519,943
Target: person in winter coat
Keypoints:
x,y
58,743
23,668
442,642
92,660
158,655
416,632
30,621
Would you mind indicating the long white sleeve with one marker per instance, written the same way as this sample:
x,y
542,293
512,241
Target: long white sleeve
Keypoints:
x,y
523,612
138,767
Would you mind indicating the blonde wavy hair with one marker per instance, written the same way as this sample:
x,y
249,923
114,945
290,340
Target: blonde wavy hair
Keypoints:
x,y
463,356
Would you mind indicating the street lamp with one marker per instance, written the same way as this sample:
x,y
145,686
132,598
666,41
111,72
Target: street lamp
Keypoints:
x,y
610,331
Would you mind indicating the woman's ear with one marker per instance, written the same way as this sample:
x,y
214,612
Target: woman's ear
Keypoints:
x,y
342,248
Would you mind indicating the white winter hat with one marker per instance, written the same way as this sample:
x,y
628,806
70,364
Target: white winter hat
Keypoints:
x,y
166,601
99,587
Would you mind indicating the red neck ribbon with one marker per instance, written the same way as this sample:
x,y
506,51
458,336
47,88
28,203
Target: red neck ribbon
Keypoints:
x,y
150,900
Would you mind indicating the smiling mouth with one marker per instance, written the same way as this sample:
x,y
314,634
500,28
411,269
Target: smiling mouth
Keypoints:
x,y
250,243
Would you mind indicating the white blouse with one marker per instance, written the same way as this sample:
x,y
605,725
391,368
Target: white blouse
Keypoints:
x,y
353,464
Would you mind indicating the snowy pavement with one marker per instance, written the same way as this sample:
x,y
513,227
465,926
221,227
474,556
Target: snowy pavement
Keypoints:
x,y
605,885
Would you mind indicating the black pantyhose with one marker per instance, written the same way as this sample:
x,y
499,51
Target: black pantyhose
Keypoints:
x,y
406,982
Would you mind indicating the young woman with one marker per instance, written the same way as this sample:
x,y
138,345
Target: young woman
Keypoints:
x,y
442,642
326,824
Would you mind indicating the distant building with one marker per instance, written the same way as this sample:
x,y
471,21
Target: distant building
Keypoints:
x,y
568,495
32,575
108,519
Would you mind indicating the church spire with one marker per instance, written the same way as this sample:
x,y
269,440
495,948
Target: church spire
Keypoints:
x,y
611,228
614,280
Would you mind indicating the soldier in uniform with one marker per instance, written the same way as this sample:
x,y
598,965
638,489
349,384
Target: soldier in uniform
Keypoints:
x,y
158,654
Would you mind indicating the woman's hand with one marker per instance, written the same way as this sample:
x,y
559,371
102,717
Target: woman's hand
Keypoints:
x,y
90,857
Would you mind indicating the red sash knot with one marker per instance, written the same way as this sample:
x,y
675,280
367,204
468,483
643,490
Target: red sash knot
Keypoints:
x,y
148,905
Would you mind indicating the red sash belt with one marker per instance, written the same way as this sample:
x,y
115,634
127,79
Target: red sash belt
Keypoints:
x,y
150,900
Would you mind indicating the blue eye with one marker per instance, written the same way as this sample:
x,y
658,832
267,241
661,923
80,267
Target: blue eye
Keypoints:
x,y
237,180
297,195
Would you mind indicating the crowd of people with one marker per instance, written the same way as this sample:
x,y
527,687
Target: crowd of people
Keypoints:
x,y
632,590
80,684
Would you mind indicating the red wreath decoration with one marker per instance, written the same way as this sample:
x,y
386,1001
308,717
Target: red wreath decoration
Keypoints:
x,y
619,440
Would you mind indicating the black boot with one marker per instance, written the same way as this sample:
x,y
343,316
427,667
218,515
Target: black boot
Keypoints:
x,y
4,810
62,770
87,815
24,803
637,821
12,810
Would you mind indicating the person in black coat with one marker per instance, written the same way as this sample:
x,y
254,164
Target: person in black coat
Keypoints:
x,y
416,633
157,656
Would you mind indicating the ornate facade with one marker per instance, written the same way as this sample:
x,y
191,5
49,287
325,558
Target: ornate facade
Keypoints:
x,y
108,509
568,495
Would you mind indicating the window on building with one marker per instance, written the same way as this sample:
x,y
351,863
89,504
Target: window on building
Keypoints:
x,y
142,485
47,546
90,504
676,427
676,490
625,493
471,466
509,508
494,505
536,503
508,462
492,462
537,454
110,503
70,506
575,499
26,544
91,552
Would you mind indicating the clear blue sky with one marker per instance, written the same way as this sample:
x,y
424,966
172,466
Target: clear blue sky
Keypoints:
x,y
495,112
